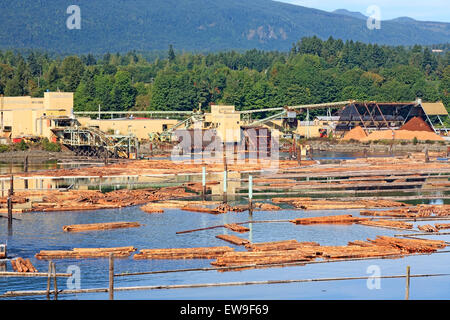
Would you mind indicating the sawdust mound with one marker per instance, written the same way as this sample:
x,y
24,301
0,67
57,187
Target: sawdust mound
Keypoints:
x,y
403,135
416,124
357,133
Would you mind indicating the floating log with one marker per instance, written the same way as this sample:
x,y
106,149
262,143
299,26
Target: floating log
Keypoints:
x,y
100,226
201,209
387,224
81,253
150,208
233,239
442,226
280,245
427,228
340,219
260,258
236,228
182,253
409,245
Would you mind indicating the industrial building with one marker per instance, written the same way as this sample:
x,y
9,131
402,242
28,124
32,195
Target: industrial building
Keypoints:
x,y
53,117
34,117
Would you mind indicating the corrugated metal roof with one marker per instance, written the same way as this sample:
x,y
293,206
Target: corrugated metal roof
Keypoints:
x,y
434,109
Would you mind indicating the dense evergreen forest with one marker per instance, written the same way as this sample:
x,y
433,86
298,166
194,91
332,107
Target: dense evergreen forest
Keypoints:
x,y
314,71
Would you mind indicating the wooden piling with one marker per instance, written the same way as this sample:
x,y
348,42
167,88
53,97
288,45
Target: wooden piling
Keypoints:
x,y
203,183
10,218
408,275
111,276
54,281
250,194
48,279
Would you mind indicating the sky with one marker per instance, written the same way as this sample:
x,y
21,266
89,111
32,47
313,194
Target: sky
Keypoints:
x,y
429,10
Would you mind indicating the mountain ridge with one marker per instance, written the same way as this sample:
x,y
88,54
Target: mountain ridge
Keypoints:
x,y
200,25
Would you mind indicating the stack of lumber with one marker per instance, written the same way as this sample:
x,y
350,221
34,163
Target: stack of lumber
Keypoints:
x,y
442,226
427,228
183,253
387,224
409,245
82,253
233,239
340,219
258,258
281,245
21,265
237,228
100,226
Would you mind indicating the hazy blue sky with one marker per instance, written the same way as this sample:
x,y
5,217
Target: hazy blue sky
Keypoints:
x,y
431,10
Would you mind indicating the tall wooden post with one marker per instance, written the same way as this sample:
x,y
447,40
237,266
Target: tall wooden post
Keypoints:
x,y
299,154
203,183
11,185
25,164
10,219
250,195
408,270
111,276
54,281
225,187
48,279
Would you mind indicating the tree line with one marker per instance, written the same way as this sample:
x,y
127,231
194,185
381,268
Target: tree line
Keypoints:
x,y
313,71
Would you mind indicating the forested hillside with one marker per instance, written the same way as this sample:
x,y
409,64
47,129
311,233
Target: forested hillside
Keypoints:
x,y
313,71
192,25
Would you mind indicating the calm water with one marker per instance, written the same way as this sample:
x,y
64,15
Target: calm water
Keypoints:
x,y
43,231
40,231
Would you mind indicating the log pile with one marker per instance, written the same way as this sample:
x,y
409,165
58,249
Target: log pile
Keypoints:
x,y
409,245
412,212
237,228
100,226
82,253
240,258
340,219
21,265
427,228
266,207
356,251
183,253
233,239
309,204
280,245
80,200
442,226
387,224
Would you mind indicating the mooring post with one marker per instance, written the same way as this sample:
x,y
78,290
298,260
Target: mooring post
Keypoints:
x,y
203,183
111,276
225,200
25,164
54,281
408,271
250,194
299,154
11,185
48,279
427,158
10,218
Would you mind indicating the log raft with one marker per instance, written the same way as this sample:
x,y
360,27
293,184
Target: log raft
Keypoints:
x,y
100,226
182,253
83,253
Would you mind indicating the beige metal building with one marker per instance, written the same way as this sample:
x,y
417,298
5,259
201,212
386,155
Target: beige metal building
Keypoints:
x,y
139,127
33,117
